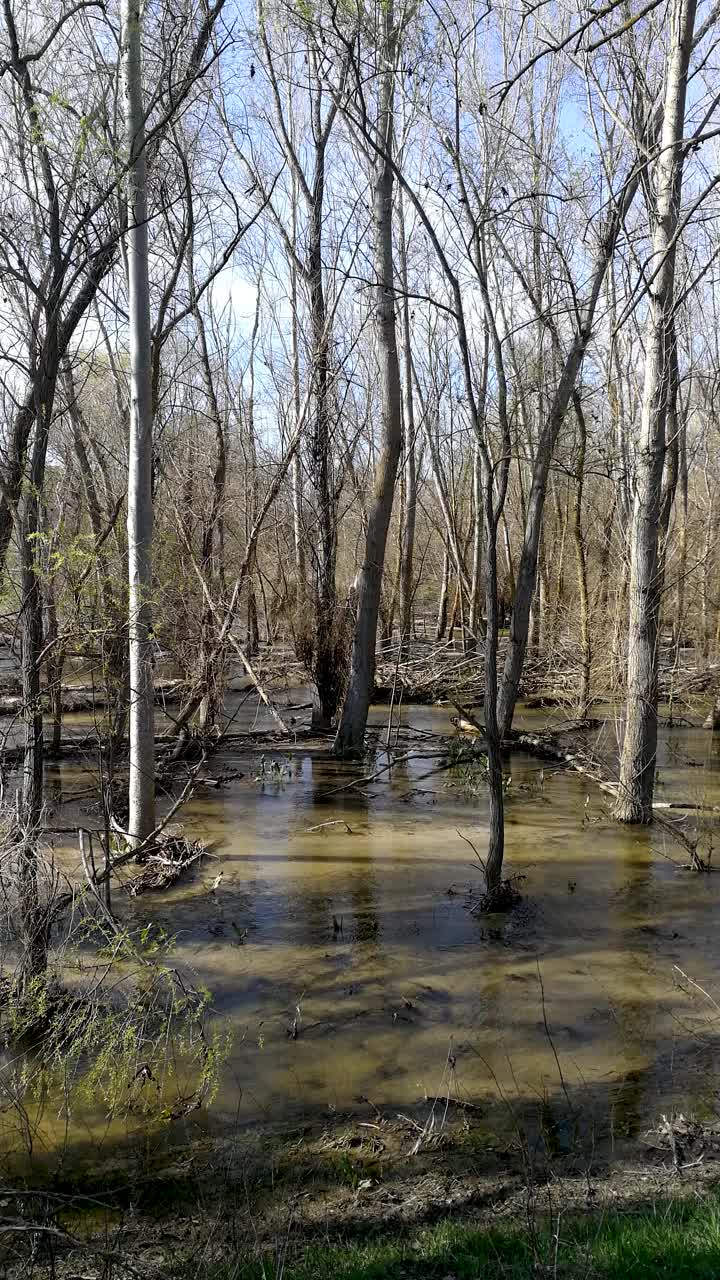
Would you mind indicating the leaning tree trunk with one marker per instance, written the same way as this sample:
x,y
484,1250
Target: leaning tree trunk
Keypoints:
x,y
567,382
140,509
351,730
637,768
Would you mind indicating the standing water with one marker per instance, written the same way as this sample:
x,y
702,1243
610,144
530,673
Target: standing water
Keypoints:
x,y
334,927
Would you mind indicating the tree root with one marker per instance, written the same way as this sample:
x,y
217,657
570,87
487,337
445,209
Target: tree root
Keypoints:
x,y
502,897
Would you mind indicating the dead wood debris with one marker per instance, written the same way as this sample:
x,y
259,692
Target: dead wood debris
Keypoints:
x,y
165,862
685,1140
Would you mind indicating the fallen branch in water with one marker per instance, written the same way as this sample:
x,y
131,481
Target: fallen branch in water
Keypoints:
x,y
543,746
175,855
333,822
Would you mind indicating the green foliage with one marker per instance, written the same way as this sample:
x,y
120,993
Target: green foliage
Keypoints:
x,y
469,768
667,1241
136,1042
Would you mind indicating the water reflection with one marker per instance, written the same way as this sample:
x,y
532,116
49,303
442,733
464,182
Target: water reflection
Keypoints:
x,y
347,960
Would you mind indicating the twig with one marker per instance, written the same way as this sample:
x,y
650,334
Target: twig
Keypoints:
x,y
697,987
472,846
333,822
551,1042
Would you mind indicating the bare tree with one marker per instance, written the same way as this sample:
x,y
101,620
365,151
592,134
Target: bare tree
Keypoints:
x,y
141,791
351,729
637,773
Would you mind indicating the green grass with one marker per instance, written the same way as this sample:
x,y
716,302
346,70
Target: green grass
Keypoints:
x,y
671,1241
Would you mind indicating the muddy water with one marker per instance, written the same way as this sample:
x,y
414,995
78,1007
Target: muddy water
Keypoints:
x,y
578,989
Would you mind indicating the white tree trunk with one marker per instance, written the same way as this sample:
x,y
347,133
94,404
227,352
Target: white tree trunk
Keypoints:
x,y
140,507
637,771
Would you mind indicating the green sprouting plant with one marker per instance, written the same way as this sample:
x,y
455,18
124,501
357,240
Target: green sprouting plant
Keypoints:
x,y
136,1041
469,769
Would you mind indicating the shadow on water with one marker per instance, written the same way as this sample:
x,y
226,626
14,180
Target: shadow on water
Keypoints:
x,y
364,926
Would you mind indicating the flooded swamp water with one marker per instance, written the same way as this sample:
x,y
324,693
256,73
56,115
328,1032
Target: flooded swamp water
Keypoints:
x,y
341,948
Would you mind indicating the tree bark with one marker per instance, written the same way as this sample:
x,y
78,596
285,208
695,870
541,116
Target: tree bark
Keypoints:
x,y
583,703
351,730
140,505
32,918
407,535
637,768
475,622
442,613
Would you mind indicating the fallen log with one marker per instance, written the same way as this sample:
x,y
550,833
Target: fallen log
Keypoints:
x,y
540,745
83,697
543,746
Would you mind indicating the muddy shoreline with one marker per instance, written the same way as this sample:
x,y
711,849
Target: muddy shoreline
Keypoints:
x,y
348,1180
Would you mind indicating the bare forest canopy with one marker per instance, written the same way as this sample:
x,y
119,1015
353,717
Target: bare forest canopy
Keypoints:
x,y
324,325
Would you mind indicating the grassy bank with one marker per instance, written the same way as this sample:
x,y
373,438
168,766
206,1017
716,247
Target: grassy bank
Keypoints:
x,y
670,1240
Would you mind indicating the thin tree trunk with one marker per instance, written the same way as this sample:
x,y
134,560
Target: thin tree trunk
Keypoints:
x,y
54,666
508,556
682,536
325,671
141,789
34,941
441,625
295,474
707,575
476,593
496,814
407,535
454,612
32,917
583,703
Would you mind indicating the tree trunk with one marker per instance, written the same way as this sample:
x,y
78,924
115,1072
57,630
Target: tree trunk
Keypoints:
x,y
140,509
496,814
54,666
211,565
325,664
320,641
33,920
33,932
454,613
407,535
476,593
441,625
351,731
527,569
583,702
295,474
637,769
